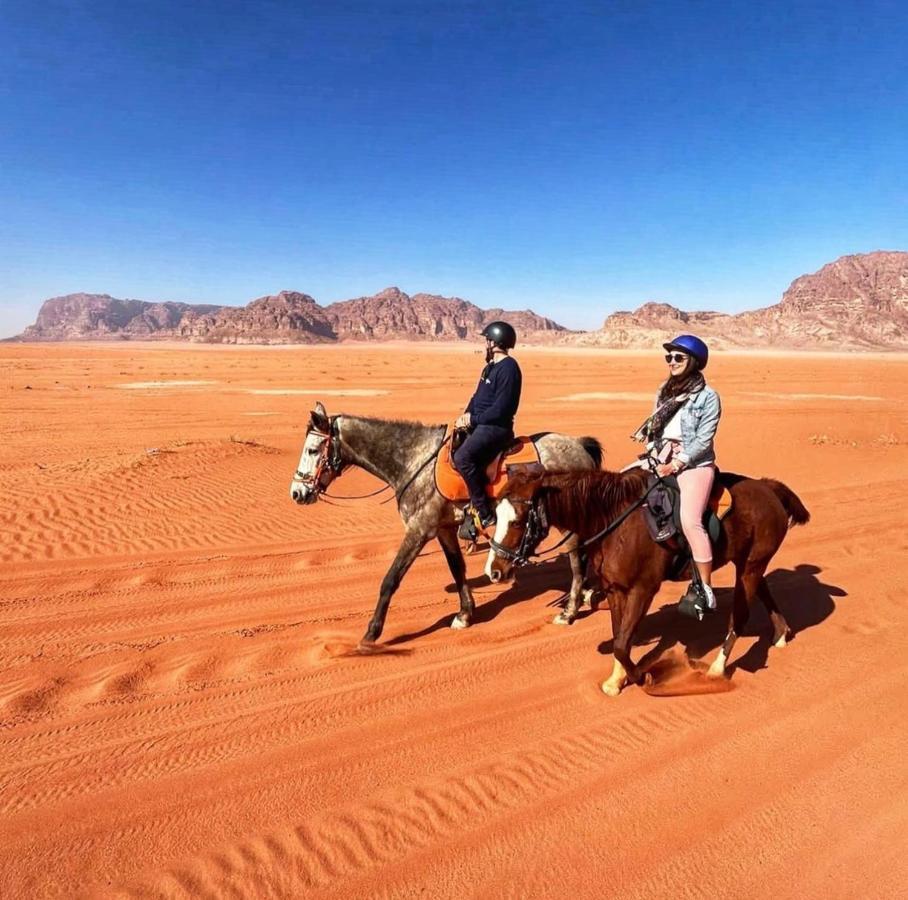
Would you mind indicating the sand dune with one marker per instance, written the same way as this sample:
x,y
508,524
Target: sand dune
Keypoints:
x,y
181,714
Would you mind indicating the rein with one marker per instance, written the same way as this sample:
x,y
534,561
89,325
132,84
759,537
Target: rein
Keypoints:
x,y
403,490
613,525
533,534
330,458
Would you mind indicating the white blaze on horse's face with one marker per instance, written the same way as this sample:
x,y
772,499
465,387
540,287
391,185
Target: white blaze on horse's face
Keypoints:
x,y
303,488
498,568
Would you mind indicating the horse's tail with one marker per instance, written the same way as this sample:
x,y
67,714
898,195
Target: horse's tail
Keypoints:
x,y
593,448
797,512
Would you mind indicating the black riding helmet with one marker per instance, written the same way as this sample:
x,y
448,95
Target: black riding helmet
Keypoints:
x,y
500,334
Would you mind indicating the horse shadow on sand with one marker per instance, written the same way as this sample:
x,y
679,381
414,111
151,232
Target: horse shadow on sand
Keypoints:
x,y
803,598
531,582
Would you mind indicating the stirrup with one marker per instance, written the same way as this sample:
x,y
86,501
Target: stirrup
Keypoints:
x,y
694,604
469,528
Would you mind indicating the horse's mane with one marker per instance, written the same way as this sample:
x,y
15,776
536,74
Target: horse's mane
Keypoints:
x,y
586,501
403,425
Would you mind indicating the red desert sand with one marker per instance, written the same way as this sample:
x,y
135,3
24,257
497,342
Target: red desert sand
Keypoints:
x,y
182,714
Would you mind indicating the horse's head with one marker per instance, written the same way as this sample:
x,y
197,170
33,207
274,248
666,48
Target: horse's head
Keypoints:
x,y
320,462
520,523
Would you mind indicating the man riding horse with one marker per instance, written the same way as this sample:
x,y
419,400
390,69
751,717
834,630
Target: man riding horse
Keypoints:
x,y
489,423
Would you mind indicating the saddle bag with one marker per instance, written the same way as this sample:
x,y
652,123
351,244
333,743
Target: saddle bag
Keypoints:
x,y
658,513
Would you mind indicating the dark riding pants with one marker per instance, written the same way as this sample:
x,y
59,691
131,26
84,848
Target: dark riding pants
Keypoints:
x,y
473,456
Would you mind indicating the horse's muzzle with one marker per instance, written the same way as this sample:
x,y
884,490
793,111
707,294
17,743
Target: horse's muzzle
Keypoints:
x,y
302,495
498,570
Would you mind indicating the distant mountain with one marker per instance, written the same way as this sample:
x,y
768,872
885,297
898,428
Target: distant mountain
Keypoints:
x,y
81,316
392,314
856,302
284,318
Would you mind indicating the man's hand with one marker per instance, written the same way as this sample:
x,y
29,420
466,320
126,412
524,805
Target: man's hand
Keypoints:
x,y
463,421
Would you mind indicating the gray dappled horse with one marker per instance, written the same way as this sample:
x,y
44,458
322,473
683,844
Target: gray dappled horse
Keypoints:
x,y
402,454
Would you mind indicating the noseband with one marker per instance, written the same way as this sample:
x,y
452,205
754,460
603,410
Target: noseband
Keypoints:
x,y
329,459
536,531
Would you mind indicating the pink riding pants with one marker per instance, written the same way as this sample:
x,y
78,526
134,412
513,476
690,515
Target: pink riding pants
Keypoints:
x,y
695,485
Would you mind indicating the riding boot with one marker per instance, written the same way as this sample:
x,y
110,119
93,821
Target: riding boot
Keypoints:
x,y
468,530
474,522
698,602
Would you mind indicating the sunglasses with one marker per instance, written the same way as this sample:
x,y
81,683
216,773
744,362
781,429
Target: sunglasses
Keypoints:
x,y
676,357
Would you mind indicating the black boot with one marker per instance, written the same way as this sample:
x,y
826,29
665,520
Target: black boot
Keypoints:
x,y
468,530
695,602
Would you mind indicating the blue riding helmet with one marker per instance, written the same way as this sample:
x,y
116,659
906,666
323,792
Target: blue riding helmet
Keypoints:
x,y
692,345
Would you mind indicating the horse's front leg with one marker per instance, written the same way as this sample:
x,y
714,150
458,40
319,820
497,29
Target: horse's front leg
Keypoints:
x,y
627,608
451,547
408,551
577,594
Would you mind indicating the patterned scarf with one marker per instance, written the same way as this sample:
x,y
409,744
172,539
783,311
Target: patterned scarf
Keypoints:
x,y
673,394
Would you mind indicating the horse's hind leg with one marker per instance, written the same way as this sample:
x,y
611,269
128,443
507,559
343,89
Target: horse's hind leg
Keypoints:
x,y
575,598
451,548
746,585
782,634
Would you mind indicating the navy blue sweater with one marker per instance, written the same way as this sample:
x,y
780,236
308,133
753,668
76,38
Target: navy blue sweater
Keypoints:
x,y
497,395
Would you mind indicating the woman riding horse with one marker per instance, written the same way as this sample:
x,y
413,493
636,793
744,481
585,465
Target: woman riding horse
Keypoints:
x,y
680,437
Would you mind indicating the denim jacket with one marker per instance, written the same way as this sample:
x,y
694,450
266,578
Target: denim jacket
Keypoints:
x,y
699,421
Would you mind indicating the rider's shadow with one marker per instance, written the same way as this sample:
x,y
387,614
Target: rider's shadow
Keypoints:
x,y
532,581
803,598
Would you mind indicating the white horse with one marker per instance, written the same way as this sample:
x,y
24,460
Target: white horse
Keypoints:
x,y
402,454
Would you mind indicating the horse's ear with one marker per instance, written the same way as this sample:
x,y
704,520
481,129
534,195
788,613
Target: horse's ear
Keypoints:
x,y
524,479
318,419
320,409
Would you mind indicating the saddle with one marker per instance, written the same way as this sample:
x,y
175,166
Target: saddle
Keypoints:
x,y
450,484
662,514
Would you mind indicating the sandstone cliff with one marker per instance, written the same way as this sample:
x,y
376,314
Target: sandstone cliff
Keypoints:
x,y
284,318
392,314
856,302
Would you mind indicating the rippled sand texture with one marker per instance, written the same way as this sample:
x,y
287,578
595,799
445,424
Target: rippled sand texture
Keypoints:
x,y
181,715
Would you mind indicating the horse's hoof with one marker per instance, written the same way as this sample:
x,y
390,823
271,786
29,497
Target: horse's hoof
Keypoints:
x,y
562,619
783,641
717,669
612,690
459,623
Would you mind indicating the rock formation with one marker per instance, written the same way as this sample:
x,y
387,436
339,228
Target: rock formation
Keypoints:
x,y
391,314
856,302
284,318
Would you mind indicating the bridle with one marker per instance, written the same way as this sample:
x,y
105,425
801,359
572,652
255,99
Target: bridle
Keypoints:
x,y
536,531
329,460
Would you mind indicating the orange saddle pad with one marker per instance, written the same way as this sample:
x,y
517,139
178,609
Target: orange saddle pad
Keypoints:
x,y
450,483
720,500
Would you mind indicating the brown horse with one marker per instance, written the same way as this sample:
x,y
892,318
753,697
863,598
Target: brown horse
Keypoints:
x,y
630,566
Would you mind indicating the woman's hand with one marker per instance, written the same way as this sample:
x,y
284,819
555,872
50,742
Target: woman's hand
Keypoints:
x,y
665,470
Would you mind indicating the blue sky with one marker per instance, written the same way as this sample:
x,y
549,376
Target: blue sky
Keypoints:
x,y
575,158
